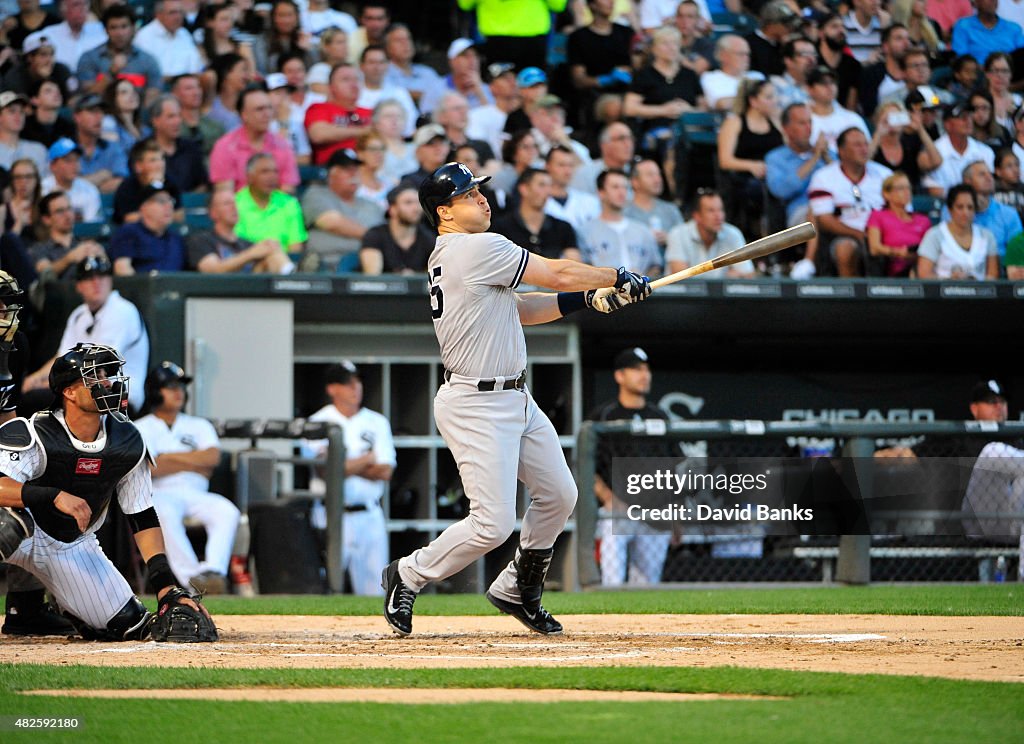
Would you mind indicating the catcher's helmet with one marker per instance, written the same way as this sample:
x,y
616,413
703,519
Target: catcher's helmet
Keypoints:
x,y
101,369
163,375
11,296
444,184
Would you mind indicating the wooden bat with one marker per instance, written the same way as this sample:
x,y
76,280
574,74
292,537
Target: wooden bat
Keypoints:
x,y
769,244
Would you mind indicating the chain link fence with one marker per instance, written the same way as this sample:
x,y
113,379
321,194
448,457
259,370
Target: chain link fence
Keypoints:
x,y
895,502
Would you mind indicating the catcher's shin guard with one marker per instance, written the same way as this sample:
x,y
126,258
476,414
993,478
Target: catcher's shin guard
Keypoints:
x,y
131,623
15,525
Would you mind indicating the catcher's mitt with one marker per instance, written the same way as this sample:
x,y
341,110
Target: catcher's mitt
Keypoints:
x,y
178,623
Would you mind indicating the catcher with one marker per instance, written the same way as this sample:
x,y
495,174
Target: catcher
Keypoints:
x,y
59,472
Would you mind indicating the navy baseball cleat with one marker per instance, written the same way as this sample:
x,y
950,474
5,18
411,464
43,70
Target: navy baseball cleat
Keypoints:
x,y
43,622
398,600
539,621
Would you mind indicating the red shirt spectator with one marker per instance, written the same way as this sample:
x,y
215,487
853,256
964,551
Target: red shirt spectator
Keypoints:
x,y
231,153
336,123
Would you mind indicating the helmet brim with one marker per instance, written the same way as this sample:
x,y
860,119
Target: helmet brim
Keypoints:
x,y
474,182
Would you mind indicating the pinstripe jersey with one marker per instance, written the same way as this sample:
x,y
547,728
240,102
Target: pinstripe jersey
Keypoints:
x,y
476,319
115,462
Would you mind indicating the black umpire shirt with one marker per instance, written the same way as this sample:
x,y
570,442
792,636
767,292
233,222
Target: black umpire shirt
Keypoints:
x,y
554,237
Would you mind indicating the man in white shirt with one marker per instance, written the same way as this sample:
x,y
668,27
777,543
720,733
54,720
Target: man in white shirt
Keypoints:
x,y
75,36
166,39
842,196
827,116
720,86
705,236
958,150
566,203
369,464
65,165
374,88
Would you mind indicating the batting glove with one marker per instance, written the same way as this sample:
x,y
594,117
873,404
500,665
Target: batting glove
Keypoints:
x,y
637,287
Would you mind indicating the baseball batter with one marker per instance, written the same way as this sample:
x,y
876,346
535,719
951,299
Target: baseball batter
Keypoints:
x,y
484,411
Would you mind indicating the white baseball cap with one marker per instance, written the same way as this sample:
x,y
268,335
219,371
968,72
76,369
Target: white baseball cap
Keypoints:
x,y
276,80
458,46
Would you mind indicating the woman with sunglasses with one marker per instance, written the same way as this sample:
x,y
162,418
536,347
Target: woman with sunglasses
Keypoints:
x,y
893,232
958,248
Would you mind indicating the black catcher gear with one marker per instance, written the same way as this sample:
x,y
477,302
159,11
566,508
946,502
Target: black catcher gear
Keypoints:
x,y
101,368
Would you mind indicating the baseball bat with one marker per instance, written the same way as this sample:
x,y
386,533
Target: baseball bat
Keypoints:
x,y
764,246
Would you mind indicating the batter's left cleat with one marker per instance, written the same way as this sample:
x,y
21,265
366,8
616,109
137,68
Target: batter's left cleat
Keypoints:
x,y
398,600
44,622
539,621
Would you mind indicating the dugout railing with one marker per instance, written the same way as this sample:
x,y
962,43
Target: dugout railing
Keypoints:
x,y
925,543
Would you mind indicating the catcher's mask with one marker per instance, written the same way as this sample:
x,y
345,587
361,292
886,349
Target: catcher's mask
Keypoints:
x,y
101,368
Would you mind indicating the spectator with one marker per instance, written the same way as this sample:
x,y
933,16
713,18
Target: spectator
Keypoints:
x,y
788,168
185,451
333,52
776,22
985,32
958,248
864,24
518,153
166,39
38,62
662,91
219,251
401,245
885,77
29,19
958,150
73,37
374,19
998,74
842,197
1009,189
720,86
104,163
265,212
336,216
369,464
798,59
286,124
907,148
745,139
58,254
402,71
827,116
598,53
65,167
698,52
516,32
572,205
119,58
183,157
611,238
452,113
464,78
646,207
374,66
547,120
388,120
149,244
218,35
487,123
232,75
148,167
987,128
283,35
320,17
19,208
924,32
616,145
230,158
336,123
12,122
947,12
432,147
46,124
965,76
917,73
532,85
832,52
104,317
705,236
1002,221
374,181
123,122
527,225
1018,133
196,127
894,233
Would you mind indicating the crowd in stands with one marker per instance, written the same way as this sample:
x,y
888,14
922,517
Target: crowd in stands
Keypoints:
x,y
183,135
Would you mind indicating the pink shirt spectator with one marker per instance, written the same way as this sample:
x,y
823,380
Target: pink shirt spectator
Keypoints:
x,y
232,151
895,232
947,12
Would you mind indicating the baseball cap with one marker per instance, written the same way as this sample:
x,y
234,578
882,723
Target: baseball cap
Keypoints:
x,y
819,74
33,43
779,12
928,96
9,96
496,69
341,373
428,133
458,46
987,391
632,357
93,266
344,158
88,101
276,80
549,100
63,147
955,110
154,188
530,76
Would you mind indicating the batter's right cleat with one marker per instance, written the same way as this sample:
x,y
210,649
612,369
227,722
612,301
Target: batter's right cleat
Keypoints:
x,y
398,600
540,621
44,622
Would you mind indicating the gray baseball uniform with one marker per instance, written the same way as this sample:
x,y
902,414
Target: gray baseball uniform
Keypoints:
x,y
494,429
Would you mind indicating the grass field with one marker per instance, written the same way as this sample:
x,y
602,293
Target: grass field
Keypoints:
x,y
818,707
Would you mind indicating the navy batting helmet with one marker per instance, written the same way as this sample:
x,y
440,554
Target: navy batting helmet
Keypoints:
x,y
163,375
101,369
444,184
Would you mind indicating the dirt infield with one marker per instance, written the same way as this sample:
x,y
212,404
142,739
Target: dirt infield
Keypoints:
x,y
980,648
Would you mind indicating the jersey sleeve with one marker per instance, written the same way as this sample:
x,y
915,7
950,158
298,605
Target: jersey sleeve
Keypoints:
x,y
135,490
384,446
24,465
494,260
206,435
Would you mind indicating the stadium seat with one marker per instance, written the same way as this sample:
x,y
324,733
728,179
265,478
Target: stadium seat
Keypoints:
x,y
195,221
350,264
107,203
91,230
308,173
195,201
931,206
